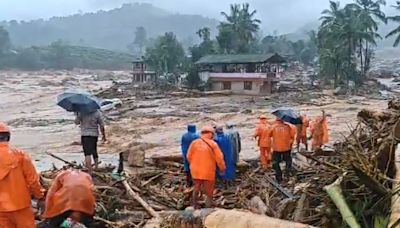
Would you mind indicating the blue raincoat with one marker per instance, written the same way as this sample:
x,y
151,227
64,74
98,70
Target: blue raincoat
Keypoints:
x,y
187,139
225,144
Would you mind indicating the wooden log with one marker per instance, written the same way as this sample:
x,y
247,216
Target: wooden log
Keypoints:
x,y
65,161
173,158
235,218
334,191
139,199
280,188
151,179
216,218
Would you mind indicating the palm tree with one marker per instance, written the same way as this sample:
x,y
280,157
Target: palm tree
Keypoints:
x,y
242,25
396,31
329,16
369,13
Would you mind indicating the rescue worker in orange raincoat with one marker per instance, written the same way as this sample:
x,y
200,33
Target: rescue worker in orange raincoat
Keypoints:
x,y
70,196
204,156
283,135
319,132
18,181
261,134
302,132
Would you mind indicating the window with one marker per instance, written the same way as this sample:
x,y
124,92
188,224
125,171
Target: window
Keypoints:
x,y
227,85
248,85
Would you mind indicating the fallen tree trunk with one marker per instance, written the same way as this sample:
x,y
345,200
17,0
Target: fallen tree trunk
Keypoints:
x,y
220,218
335,193
234,219
139,199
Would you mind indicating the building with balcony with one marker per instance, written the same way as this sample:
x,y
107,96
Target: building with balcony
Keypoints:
x,y
251,74
140,72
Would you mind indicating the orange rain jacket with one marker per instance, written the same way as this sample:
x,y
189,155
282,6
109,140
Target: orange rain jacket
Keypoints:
x,y
283,135
319,131
262,132
203,156
18,180
304,126
72,190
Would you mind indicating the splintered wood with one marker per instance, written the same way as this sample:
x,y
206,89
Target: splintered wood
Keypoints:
x,y
361,198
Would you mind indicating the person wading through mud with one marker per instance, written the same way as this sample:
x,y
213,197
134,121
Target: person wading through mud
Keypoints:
x,y
90,124
18,181
204,156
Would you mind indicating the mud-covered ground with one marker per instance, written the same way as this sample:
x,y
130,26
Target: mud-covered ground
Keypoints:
x,y
27,101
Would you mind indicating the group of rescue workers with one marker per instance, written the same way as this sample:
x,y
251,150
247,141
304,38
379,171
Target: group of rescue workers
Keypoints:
x,y
203,153
71,198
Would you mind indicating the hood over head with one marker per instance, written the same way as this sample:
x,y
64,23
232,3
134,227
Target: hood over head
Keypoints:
x,y
191,128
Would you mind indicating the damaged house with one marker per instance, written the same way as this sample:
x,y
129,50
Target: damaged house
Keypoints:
x,y
251,74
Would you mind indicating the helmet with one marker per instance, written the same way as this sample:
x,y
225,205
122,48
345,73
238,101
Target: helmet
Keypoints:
x,y
4,128
207,129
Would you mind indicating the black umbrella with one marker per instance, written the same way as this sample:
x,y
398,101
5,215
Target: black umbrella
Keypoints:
x,y
76,100
288,115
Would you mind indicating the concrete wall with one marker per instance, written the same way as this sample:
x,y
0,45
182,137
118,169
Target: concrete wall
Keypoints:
x,y
238,87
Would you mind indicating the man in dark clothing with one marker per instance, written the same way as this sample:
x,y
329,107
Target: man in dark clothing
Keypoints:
x,y
90,124
186,140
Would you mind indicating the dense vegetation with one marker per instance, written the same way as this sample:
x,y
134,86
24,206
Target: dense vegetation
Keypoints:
x,y
59,55
113,29
347,38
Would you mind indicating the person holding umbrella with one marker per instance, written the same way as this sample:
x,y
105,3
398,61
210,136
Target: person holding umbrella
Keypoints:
x,y
90,123
283,134
86,108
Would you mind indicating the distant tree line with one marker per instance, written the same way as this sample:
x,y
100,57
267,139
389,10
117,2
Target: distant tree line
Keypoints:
x,y
341,49
239,33
58,55
347,37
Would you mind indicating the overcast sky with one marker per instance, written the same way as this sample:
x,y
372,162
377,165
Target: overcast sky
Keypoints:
x,y
280,15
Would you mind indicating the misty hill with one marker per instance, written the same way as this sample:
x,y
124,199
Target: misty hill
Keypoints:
x,y
112,29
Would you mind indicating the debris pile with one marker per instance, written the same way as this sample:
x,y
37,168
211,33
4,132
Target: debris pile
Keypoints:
x,y
352,184
361,170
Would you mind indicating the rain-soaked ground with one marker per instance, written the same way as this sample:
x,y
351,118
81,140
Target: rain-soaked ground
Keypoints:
x,y
27,101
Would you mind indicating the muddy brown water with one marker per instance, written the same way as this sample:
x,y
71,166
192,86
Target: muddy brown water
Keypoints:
x,y
27,101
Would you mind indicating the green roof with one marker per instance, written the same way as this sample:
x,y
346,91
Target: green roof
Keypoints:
x,y
241,58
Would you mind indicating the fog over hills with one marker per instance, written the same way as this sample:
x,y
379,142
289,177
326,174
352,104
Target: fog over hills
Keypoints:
x,y
105,24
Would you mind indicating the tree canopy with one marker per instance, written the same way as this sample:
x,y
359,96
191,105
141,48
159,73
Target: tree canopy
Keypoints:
x,y
167,54
239,29
396,31
346,36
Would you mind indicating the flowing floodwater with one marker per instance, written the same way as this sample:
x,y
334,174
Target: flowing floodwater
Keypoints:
x,y
28,104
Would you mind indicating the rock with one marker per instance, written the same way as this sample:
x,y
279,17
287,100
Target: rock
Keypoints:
x,y
136,158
